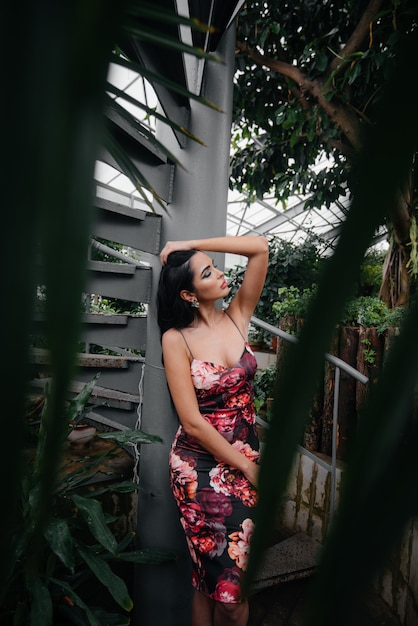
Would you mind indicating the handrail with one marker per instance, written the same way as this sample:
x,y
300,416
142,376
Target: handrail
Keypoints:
x,y
339,365
278,332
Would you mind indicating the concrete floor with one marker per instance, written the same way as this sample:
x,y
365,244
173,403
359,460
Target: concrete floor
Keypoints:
x,y
281,589
283,605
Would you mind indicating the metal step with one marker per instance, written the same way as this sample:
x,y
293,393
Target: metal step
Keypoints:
x,y
119,280
127,225
100,395
121,373
103,423
40,356
126,331
292,559
151,162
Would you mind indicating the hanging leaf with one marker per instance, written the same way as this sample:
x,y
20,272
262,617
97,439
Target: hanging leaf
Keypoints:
x,y
41,605
115,585
78,404
132,437
92,513
70,593
149,556
58,535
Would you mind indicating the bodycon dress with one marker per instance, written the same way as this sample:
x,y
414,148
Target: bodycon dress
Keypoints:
x,y
216,501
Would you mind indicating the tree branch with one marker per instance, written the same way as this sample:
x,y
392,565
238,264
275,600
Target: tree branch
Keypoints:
x,y
340,114
358,36
285,69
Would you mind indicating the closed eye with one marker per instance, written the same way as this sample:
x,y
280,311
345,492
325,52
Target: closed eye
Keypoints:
x,y
207,271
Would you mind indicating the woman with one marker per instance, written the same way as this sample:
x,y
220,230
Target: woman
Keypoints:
x,y
213,460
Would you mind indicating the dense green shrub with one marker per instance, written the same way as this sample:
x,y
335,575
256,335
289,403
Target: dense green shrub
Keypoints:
x,y
77,550
289,265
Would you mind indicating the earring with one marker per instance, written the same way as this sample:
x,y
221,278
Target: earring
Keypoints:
x,y
195,304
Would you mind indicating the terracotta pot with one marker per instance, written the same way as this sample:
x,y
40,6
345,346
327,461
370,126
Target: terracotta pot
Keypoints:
x,y
81,436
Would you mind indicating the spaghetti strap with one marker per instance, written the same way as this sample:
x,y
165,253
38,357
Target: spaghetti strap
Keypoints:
x,y
185,341
236,325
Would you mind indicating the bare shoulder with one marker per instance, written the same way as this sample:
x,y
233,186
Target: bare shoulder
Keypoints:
x,y
174,345
171,339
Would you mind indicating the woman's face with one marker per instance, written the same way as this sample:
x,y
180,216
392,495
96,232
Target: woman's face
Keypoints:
x,y
208,281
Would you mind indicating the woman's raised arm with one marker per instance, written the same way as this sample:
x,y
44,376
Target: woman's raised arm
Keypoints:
x,y
255,248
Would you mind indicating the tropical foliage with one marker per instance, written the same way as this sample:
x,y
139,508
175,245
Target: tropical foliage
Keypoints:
x,y
53,572
289,265
309,83
382,458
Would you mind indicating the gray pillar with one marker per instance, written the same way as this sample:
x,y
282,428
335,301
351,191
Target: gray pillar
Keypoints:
x,y
163,593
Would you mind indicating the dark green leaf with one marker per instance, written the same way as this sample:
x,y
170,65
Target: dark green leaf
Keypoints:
x,y
58,535
69,591
92,513
113,583
130,437
41,606
150,556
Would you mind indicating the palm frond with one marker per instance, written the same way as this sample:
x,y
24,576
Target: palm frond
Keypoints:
x,y
154,77
152,112
130,170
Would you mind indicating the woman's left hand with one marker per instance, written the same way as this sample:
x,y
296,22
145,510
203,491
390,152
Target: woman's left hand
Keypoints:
x,y
174,246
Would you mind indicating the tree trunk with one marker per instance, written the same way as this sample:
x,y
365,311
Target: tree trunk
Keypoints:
x,y
396,280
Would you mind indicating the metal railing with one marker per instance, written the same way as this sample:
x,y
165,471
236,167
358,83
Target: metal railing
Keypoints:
x,y
340,365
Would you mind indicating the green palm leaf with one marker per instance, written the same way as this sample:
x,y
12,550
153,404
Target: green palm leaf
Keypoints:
x,y
59,538
160,14
92,513
130,169
153,77
141,129
130,436
152,113
69,591
115,585
41,605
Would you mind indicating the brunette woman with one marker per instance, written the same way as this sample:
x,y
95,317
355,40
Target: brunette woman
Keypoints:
x,y
210,370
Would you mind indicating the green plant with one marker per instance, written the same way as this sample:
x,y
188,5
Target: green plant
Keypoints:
x,y
77,543
280,131
369,354
368,311
382,456
293,301
295,265
264,381
371,312
99,304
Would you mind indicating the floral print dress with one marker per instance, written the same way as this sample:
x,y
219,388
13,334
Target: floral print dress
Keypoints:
x,y
215,500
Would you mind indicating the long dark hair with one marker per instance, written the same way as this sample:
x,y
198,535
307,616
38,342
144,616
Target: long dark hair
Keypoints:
x,y
176,275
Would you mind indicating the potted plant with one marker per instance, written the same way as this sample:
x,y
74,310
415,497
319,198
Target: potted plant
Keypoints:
x,y
82,551
264,381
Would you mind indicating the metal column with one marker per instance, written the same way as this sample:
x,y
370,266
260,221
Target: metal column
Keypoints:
x,y
163,592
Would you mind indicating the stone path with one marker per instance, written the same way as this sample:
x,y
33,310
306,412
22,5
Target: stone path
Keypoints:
x,y
280,591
